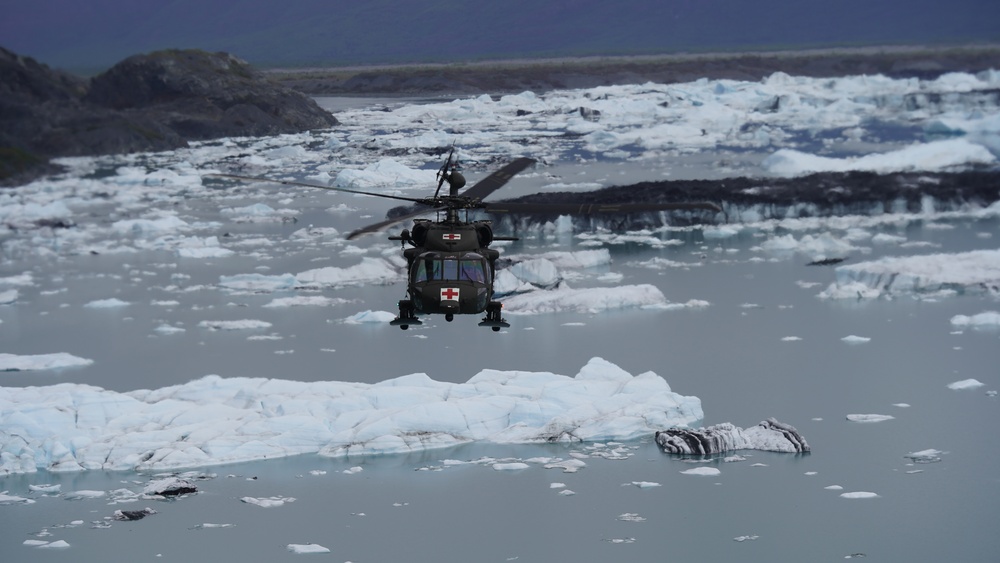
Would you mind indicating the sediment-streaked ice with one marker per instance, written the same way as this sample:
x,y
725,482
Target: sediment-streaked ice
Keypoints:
x,y
214,420
769,435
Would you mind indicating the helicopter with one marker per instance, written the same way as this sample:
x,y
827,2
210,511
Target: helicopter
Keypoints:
x,y
450,265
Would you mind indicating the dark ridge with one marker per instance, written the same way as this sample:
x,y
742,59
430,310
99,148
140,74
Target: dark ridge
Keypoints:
x,y
820,194
152,102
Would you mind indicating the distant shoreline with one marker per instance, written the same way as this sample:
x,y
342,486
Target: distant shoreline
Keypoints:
x,y
516,75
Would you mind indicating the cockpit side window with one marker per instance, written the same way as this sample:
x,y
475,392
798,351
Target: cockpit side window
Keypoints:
x,y
473,270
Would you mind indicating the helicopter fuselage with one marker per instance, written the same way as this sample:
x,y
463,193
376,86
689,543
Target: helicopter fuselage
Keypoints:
x,y
450,270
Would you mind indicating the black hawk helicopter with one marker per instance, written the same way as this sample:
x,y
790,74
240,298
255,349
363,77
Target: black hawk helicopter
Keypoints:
x,y
450,265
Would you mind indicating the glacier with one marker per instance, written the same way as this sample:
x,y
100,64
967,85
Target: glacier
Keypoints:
x,y
215,420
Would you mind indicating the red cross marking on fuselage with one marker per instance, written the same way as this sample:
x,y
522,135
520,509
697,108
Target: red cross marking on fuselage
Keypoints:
x,y
452,236
449,293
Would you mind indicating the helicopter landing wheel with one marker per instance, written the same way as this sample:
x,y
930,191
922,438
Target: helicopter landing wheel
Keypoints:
x,y
496,329
407,315
449,317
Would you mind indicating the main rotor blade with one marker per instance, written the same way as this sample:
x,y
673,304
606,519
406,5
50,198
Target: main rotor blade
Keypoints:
x,y
496,180
381,225
308,185
591,208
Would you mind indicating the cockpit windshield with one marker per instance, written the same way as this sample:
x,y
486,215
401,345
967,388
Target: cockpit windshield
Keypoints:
x,y
432,266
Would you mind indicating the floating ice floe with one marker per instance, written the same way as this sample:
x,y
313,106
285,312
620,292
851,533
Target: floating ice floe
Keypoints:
x,y
13,362
702,471
244,324
930,455
986,319
8,297
965,384
869,417
936,155
111,303
587,300
11,499
299,548
215,420
769,435
368,317
858,495
974,272
855,339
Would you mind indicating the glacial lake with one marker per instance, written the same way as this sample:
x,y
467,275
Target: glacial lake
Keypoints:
x,y
737,355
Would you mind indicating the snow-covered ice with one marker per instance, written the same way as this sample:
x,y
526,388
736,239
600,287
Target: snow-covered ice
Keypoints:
x,y
214,420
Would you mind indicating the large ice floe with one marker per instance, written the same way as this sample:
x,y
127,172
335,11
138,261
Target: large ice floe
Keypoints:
x,y
975,272
215,420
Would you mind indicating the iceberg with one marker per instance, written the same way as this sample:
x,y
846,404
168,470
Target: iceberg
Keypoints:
x,y
587,300
974,272
769,435
215,420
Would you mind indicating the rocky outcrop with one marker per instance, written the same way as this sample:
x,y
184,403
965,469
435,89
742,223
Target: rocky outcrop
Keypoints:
x,y
151,102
